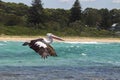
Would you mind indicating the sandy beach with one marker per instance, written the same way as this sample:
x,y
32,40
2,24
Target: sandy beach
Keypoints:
x,y
71,39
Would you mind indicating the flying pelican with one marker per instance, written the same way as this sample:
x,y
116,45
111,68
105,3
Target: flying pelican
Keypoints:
x,y
42,45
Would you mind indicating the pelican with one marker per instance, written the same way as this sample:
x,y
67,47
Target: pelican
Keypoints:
x,y
42,45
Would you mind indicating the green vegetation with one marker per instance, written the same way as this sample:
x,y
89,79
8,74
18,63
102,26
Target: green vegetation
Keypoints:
x,y
75,12
20,19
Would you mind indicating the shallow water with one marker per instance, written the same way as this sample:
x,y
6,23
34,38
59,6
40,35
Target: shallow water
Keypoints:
x,y
75,61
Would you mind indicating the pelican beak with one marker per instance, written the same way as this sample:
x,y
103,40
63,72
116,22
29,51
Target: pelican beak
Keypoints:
x,y
57,38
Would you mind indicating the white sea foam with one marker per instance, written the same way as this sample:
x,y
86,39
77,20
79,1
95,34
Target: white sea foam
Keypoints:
x,y
5,41
71,46
83,54
1,44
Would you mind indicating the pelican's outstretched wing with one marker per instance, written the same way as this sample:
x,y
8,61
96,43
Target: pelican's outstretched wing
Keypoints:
x,y
41,48
51,51
43,52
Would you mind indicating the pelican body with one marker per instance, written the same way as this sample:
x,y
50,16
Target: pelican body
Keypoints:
x,y
42,45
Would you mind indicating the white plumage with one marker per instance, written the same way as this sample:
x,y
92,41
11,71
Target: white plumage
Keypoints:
x,y
40,44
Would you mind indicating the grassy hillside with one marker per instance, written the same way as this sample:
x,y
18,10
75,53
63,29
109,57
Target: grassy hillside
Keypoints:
x,y
30,31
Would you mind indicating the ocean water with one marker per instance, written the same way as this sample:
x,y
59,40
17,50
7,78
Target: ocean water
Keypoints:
x,y
75,61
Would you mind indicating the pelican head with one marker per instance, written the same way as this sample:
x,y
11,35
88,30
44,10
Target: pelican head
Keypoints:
x,y
54,36
50,38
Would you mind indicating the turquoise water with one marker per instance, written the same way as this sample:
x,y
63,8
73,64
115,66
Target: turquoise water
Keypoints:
x,y
69,54
75,61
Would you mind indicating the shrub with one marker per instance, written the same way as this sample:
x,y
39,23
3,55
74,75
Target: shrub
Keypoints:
x,y
11,20
77,26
